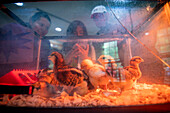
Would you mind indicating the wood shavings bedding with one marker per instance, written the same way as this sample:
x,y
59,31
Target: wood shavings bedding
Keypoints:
x,y
143,94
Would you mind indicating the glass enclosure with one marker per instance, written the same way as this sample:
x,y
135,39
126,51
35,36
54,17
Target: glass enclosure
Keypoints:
x,y
85,53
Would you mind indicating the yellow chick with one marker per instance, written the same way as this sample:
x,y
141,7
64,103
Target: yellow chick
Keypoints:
x,y
96,73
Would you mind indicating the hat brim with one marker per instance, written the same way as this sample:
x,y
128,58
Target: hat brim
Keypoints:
x,y
92,15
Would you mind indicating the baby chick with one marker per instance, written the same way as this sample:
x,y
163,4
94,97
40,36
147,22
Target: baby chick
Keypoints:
x,y
43,86
131,74
96,73
45,75
65,74
133,71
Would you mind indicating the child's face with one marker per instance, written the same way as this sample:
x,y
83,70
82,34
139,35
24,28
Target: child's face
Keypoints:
x,y
79,31
41,26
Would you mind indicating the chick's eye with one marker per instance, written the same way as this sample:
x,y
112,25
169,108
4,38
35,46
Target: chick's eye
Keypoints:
x,y
52,54
133,60
138,59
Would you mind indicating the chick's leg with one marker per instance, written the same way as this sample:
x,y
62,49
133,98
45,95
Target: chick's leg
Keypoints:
x,y
134,84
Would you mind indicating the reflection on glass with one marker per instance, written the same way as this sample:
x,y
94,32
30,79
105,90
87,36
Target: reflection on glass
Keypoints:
x,y
90,53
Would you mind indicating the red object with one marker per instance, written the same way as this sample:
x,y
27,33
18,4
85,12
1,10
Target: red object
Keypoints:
x,y
19,77
30,90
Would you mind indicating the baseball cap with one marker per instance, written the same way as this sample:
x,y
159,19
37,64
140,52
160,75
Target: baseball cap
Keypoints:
x,y
98,9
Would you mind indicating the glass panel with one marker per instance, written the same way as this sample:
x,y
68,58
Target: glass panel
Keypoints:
x,y
85,53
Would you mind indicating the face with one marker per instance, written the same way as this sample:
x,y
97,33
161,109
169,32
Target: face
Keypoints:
x,y
41,26
100,20
79,31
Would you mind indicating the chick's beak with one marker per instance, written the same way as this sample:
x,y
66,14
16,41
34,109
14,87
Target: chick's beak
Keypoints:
x,y
142,60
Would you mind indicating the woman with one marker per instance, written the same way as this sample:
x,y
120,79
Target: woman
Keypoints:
x,y
76,52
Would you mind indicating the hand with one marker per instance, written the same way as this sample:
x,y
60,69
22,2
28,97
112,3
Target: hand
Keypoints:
x,y
79,50
82,50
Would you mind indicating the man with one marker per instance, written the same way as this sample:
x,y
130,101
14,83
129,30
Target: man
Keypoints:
x,y
100,17
19,44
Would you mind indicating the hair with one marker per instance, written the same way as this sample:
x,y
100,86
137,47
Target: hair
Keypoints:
x,y
73,26
38,15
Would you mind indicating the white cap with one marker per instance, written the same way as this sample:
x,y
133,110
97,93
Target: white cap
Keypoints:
x,y
98,9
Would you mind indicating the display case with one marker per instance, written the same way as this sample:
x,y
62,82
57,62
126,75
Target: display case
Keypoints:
x,y
85,56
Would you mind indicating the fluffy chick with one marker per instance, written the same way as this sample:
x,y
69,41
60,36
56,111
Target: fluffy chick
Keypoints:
x,y
96,73
45,75
131,74
65,74
133,71
43,86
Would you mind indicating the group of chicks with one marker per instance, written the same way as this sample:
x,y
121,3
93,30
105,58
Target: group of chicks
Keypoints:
x,y
90,77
